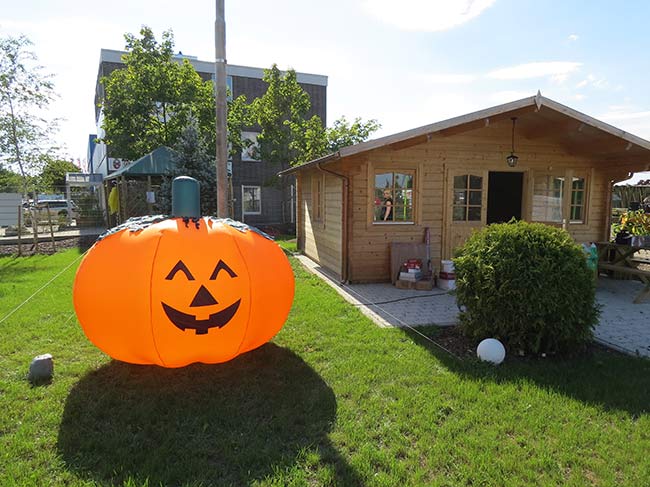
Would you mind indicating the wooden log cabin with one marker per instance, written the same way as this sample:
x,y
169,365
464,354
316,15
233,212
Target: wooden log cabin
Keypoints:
x,y
454,176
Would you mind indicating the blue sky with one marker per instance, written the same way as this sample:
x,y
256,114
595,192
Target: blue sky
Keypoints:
x,y
406,63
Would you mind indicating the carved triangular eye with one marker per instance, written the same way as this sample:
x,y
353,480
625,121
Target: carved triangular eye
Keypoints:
x,y
222,266
180,267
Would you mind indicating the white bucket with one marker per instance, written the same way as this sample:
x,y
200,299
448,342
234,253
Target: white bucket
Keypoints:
x,y
447,266
447,284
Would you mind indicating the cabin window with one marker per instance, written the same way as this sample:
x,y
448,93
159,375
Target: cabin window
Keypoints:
x,y
468,198
252,200
393,198
548,192
317,197
578,198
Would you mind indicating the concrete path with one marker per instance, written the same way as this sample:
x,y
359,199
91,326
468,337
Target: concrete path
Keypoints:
x,y
623,325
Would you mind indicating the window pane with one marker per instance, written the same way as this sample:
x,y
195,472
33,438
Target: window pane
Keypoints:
x,y
400,214
460,182
475,182
383,181
576,213
578,183
577,197
474,213
475,198
460,197
547,198
459,213
403,181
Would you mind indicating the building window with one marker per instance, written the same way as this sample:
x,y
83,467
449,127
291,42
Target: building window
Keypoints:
x,y
317,197
393,198
548,193
250,153
578,199
468,198
252,200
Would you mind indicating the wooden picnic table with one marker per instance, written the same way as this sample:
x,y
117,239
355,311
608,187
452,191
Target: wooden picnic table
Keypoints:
x,y
623,259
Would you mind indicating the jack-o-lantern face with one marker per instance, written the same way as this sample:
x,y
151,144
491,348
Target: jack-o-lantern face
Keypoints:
x,y
202,298
173,294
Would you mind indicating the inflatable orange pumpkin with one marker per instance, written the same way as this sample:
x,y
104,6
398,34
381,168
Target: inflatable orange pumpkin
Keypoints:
x,y
174,291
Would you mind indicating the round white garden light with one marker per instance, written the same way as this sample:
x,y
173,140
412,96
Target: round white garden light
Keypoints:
x,y
491,350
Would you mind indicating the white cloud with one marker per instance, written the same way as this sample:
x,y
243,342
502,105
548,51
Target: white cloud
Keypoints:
x,y
573,37
592,80
579,97
426,15
556,70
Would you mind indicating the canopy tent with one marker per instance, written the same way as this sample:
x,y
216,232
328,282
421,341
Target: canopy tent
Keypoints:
x,y
137,184
156,163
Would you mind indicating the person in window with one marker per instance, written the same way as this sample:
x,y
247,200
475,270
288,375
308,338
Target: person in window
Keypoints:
x,y
387,207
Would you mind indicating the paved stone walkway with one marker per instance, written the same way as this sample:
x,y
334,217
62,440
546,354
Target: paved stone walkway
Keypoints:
x,y
623,325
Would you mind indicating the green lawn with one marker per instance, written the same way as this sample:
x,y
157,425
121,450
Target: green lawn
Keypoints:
x,y
333,400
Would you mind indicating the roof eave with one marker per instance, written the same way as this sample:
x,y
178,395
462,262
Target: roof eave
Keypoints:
x,y
321,160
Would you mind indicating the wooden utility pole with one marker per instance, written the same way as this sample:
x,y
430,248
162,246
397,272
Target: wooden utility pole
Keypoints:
x,y
222,144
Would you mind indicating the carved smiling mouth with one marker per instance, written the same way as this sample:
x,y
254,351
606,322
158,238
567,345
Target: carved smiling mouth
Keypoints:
x,y
216,320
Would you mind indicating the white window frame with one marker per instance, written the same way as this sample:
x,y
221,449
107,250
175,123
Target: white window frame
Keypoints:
x,y
243,208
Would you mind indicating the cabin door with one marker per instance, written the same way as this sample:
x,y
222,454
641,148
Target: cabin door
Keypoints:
x,y
505,190
466,206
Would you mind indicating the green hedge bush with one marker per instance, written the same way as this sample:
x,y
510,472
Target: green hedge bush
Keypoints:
x,y
528,285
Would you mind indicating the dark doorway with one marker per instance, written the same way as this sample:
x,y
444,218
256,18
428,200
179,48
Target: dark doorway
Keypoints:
x,y
504,196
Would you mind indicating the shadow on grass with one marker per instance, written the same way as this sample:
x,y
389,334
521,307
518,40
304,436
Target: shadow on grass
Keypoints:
x,y
264,413
599,377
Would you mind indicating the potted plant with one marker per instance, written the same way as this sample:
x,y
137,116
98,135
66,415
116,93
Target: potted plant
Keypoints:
x,y
633,228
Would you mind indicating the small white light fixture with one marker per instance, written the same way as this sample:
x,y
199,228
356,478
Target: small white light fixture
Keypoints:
x,y
491,350
512,158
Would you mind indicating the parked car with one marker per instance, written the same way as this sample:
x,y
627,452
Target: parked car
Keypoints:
x,y
57,209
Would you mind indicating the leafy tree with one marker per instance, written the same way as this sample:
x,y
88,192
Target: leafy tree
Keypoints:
x,y
192,158
154,97
281,114
148,102
52,178
25,93
288,137
343,134
10,182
